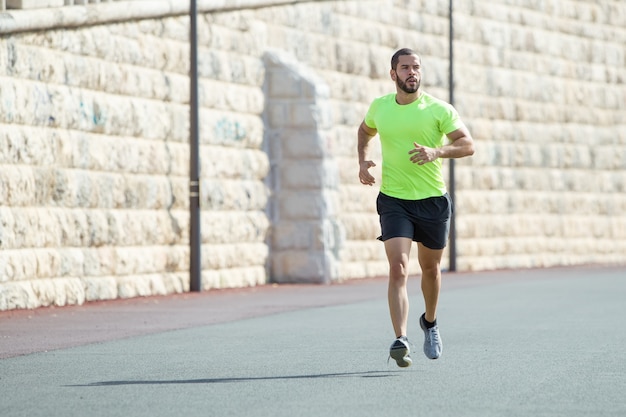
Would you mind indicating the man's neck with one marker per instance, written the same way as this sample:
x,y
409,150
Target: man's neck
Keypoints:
x,y
403,98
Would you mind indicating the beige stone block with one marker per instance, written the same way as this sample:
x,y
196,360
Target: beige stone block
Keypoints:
x,y
359,270
228,96
234,226
33,4
176,283
241,195
306,235
365,251
234,278
358,198
304,267
15,265
311,174
283,83
228,129
228,256
17,295
617,227
140,260
302,143
293,235
360,226
58,291
231,163
306,205
303,115
278,112
100,288
147,285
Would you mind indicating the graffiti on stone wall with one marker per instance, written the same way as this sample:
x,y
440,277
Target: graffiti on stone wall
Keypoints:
x,y
43,106
227,130
92,114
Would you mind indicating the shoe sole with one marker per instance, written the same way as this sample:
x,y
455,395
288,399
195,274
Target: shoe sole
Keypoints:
x,y
401,356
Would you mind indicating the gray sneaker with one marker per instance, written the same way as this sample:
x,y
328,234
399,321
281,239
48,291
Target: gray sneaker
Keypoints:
x,y
432,341
399,351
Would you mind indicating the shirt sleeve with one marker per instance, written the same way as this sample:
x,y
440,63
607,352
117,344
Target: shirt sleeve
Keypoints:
x,y
370,116
451,120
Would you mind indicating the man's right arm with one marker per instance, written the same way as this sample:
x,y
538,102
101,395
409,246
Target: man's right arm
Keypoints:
x,y
365,135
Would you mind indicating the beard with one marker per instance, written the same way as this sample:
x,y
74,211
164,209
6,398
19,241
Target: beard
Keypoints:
x,y
404,87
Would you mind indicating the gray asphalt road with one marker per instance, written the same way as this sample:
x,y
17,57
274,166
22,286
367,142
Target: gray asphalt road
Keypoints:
x,y
516,343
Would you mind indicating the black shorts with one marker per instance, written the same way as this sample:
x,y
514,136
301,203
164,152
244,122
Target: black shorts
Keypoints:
x,y
426,221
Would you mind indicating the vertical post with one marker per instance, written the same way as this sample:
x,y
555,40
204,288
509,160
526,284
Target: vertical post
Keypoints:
x,y
195,235
452,185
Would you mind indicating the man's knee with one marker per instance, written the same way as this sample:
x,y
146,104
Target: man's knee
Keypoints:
x,y
398,271
431,271
430,261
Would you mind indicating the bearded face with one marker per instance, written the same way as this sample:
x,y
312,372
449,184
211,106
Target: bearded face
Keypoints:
x,y
410,85
407,73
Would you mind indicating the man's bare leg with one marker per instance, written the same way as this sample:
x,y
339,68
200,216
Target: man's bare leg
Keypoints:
x,y
398,250
430,262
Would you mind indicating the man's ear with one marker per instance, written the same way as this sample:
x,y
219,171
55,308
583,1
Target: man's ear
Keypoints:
x,y
393,74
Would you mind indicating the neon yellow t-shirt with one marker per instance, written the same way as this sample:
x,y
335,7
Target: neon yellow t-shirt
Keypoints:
x,y
426,121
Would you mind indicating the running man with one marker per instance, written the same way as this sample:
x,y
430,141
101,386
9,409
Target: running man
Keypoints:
x,y
416,131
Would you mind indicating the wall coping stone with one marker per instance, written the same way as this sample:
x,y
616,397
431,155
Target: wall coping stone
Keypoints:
x,y
14,21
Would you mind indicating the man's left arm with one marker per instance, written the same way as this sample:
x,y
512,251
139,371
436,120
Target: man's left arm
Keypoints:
x,y
461,144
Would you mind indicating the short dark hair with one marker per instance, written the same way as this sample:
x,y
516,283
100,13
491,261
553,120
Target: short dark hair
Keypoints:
x,y
404,51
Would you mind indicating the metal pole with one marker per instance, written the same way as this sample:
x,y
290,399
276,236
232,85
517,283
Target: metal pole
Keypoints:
x,y
195,235
452,185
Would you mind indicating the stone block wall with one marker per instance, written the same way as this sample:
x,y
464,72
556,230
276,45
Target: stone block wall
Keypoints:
x,y
543,88
94,128
95,164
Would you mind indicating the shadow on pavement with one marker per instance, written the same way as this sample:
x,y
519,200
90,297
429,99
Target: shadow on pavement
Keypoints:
x,y
368,374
